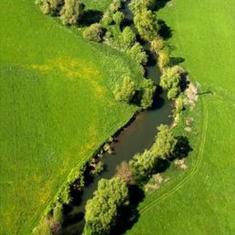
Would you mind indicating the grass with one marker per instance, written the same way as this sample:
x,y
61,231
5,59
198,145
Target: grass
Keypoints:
x,y
201,200
56,108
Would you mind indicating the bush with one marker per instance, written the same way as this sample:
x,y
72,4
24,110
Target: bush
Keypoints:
x,y
51,7
125,91
94,33
137,53
101,211
72,12
179,104
148,89
99,167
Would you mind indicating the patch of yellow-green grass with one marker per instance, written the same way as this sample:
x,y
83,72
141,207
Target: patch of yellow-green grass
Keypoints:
x,y
201,200
56,108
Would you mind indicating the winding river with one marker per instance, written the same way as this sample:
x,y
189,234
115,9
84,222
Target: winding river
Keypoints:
x,y
135,138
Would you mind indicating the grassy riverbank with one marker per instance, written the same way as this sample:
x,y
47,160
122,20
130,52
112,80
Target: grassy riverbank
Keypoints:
x,y
201,200
56,108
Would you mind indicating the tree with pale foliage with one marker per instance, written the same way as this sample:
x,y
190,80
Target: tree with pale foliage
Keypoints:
x,y
72,12
124,172
125,91
157,44
94,32
101,211
163,59
51,7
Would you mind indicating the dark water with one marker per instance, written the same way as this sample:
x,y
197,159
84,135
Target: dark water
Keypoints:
x,y
135,138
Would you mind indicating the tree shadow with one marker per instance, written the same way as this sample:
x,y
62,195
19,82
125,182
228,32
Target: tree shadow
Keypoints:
x,y
129,212
176,60
165,31
159,4
90,17
182,148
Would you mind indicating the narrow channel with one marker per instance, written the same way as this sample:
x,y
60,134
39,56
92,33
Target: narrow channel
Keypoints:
x,y
135,138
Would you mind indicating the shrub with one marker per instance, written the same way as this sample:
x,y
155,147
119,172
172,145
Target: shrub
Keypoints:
x,y
71,12
125,91
94,32
51,7
148,89
99,167
101,211
179,104
137,53
58,213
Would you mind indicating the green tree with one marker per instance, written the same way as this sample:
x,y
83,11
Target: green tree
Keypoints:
x,y
142,165
115,5
170,80
157,44
163,59
138,5
165,142
148,89
51,7
128,37
72,12
101,211
125,91
146,24
118,17
137,53
94,32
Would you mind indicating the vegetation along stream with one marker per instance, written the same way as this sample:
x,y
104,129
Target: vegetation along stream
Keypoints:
x,y
134,138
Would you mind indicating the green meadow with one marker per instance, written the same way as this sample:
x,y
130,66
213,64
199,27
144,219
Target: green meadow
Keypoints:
x,y
56,108
201,200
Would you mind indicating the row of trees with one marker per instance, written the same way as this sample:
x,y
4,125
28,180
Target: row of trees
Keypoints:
x,y
69,11
102,210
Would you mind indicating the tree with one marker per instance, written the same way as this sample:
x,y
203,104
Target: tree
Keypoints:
x,y
157,44
115,5
137,53
125,91
163,59
148,89
101,211
124,172
72,12
94,32
128,37
51,7
170,80
146,24
138,5
165,142
118,17
142,165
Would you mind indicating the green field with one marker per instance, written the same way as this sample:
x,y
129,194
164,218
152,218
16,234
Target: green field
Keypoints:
x,y
56,108
201,200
